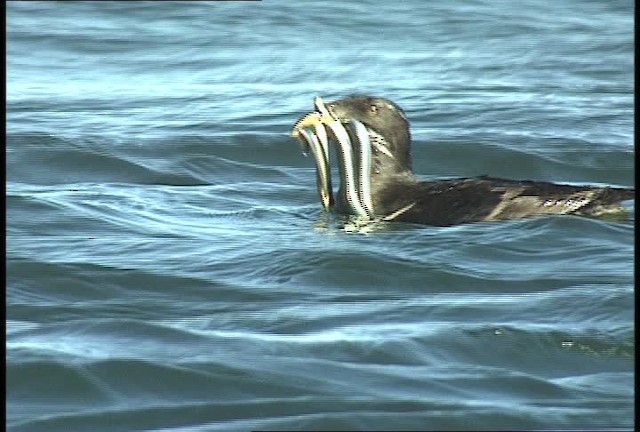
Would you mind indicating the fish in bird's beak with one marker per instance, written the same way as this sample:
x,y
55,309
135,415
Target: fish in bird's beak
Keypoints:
x,y
314,130
309,129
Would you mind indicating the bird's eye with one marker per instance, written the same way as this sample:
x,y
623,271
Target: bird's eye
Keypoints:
x,y
373,109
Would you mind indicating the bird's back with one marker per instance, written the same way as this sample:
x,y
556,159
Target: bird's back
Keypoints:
x,y
484,198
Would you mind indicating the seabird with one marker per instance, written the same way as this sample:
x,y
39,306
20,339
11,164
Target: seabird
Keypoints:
x,y
373,144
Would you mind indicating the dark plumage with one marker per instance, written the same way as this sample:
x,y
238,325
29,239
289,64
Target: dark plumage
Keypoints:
x,y
398,195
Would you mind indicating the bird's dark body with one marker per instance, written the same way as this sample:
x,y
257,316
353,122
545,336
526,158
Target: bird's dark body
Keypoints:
x,y
452,202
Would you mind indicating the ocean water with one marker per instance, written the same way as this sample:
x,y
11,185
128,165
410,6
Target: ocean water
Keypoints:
x,y
169,266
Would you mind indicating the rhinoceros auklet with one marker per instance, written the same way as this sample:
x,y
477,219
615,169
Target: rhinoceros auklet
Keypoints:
x,y
373,143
